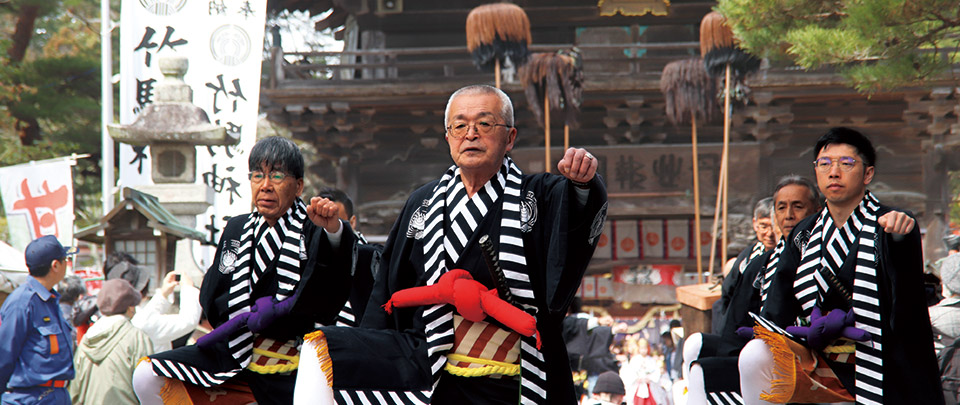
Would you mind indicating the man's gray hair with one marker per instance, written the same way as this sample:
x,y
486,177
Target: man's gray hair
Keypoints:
x,y
763,208
793,179
506,106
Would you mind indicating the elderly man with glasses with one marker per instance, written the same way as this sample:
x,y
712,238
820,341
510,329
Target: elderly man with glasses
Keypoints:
x,y
441,327
263,292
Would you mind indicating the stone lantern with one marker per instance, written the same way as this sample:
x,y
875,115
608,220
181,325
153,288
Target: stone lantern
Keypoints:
x,y
172,126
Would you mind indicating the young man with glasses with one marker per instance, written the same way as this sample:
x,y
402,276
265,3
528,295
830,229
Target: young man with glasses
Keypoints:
x,y
856,291
36,355
265,289
500,340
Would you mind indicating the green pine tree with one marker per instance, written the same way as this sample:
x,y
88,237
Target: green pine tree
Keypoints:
x,y
876,44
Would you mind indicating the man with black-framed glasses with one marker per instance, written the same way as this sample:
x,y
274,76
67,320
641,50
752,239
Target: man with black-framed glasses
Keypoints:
x,y
440,327
850,321
263,292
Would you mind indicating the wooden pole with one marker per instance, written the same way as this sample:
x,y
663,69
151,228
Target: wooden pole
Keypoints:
x,y
496,71
726,158
716,217
696,199
546,131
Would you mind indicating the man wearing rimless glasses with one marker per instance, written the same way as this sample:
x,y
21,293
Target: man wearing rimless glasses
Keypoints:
x,y
851,322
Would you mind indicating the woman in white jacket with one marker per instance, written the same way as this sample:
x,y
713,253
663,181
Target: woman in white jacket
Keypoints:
x,y
158,321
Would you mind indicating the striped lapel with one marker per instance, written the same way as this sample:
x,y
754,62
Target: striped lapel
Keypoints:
x,y
439,318
829,246
766,276
282,253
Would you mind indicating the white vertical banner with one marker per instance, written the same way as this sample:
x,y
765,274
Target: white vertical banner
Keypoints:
x,y
605,245
223,42
677,238
651,235
38,200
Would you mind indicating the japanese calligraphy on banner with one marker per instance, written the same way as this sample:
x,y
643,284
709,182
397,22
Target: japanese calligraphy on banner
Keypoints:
x,y
38,199
223,42
659,168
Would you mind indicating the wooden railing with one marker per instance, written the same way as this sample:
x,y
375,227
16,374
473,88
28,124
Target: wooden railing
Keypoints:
x,y
454,63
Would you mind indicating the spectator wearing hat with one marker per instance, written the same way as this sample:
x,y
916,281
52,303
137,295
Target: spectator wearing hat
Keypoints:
x,y
945,316
36,358
608,390
109,351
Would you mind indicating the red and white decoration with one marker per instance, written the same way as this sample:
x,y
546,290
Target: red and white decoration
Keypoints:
x,y
38,200
652,239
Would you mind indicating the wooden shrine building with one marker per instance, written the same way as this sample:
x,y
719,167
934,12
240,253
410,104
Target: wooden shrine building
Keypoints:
x,y
374,113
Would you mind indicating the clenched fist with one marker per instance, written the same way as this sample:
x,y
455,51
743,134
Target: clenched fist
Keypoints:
x,y
324,213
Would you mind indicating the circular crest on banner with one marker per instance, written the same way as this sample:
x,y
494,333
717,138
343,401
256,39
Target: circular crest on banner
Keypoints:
x,y
163,7
230,45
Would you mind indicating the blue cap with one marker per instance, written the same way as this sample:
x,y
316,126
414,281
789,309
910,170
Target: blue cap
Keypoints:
x,y
44,250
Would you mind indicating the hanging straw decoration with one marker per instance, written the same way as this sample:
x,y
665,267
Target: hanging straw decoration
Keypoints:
x,y
557,78
722,57
498,31
718,47
689,92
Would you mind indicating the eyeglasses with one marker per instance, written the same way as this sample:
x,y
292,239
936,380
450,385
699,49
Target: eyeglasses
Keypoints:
x,y
258,176
459,130
824,164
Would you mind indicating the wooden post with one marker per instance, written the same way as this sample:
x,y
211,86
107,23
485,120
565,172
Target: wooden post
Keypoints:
x,y
546,131
726,158
696,198
716,217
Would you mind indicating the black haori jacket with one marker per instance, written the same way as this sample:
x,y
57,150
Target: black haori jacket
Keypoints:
x,y
315,303
910,372
387,357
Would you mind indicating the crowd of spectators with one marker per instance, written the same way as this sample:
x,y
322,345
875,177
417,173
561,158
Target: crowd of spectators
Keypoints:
x,y
621,363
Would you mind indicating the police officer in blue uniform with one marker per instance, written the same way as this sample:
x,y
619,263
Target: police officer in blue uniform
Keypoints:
x,y
36,358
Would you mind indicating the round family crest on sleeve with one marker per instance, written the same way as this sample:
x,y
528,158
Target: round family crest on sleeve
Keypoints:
x,y
801,240
528,212
418,221
228,261
596,228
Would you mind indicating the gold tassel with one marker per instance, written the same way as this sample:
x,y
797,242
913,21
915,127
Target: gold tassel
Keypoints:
x,y
785,366
323,353
174,393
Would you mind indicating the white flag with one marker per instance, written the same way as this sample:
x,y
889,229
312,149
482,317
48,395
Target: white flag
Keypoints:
x,y
38,200
223,43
